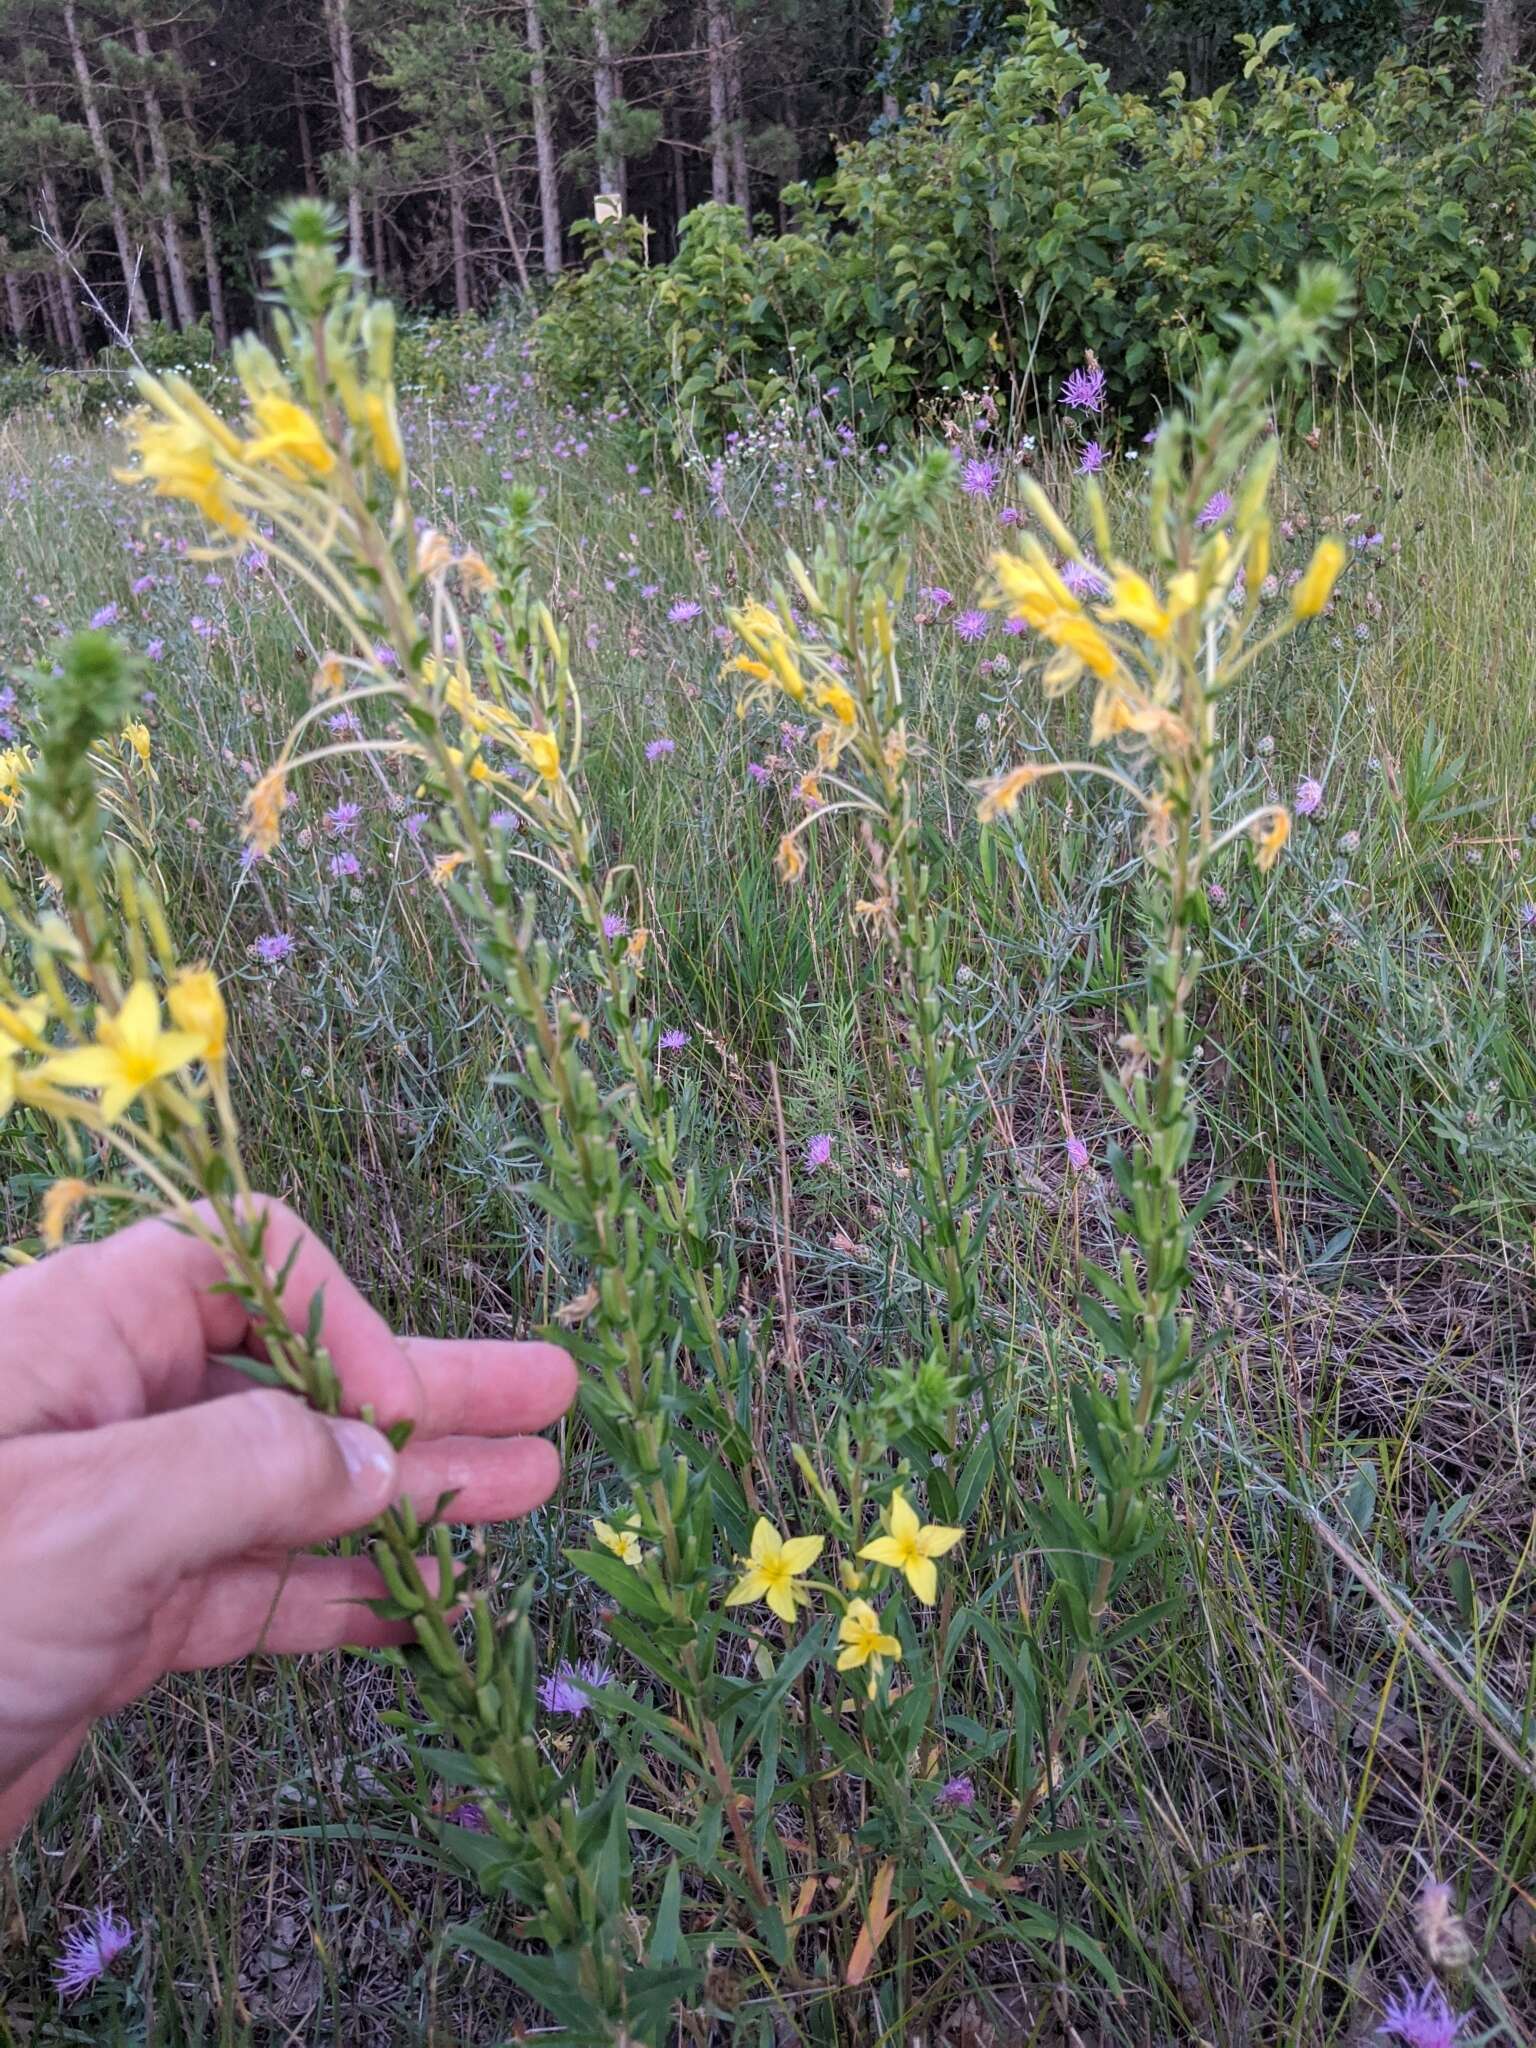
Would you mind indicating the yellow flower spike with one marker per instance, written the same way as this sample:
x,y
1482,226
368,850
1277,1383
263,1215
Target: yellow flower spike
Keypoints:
x,y
59,1204
1001,795
132,1051
1316,586
264,809
774,1563
177,457
136,735
291,439
624,1542
196,1006
1270,837
911,1547
179,400
379,412
1256,563
1134,602
865,1643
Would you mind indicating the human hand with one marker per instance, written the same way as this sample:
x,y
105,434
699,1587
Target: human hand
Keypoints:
x,y
150,1499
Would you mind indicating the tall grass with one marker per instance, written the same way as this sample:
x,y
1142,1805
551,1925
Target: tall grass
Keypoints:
x,y
1339,1704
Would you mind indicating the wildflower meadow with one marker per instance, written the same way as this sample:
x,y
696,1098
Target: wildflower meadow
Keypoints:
x,y
979,979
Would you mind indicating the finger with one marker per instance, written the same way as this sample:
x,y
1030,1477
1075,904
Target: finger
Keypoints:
x,y
155,1500
288,1608
488,1387
491,1480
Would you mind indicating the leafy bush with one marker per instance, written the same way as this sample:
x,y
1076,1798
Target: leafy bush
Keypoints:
x,y
1036,215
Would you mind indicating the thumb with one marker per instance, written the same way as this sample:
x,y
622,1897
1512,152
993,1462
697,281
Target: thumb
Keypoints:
x,y
254,1471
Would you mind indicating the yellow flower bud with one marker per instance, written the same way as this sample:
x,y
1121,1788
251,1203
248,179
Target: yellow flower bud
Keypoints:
x,y
1316,586
196,1006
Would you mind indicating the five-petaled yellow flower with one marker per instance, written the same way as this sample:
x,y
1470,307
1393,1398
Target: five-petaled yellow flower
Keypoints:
x,y
624,1542
865,1642
133,1050
912,1546
773,1564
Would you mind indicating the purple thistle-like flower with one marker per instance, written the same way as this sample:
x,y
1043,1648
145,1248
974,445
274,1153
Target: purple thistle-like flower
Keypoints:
x,y
568,1687
154,650
345,867
1077,1155
1009,516
674,1040
107,616
1309,796
273,947
682,609
615,924
414,825
656,750
141,584
468,1816
1216,895
1422,2019
203,628
972,625
341,818
1083,389
1085,579
978,477
1015,623
1528,916
759,774
1092,459
505,821
958,1793
343,722
90,1950
818,1151
1215,509
937,596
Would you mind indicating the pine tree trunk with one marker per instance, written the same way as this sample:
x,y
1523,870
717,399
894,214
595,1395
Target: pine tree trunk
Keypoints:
x,y
716,38
458,230
344,74
306,144
65,284
543,141
213,277
1500,51
138,311
605,91
890,106
380,253
508,225
53,314
170,232
741,183
15,310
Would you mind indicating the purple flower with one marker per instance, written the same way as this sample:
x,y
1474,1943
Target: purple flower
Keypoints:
x,y
682,610
958,1792
107,616
1528,916
1309,796
1085,579
1083,389
343,721
1215,895
154,650
1215,509
1093,460
345,867
656,749
272,947
467,1816
650,589
1422,2019
505,821
141,584
1009,516
567,1688
414,825
978,477
615,924
674,1040
90,1950
758,773
203,628
818,1151
1077,1155
937,596
971,625
1015,623
340,820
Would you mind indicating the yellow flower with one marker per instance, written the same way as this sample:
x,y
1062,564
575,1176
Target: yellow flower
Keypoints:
x,y
1270,837
864,1642
21,1026
912,1546
196,1006
1002,793
133,1050
136,734
379,412
769,638
773,1564
15,765
434,554
837,703
623,1542
789,860
634,952
59,1204
541,750
1031,590
264,809
1136,603
1316,585
446,865
330,676
291,439
474,572
177,456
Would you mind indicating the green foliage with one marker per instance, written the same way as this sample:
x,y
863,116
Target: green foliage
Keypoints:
x,y
1045,214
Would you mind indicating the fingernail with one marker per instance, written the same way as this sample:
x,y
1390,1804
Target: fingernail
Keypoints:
x,y
367,1455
